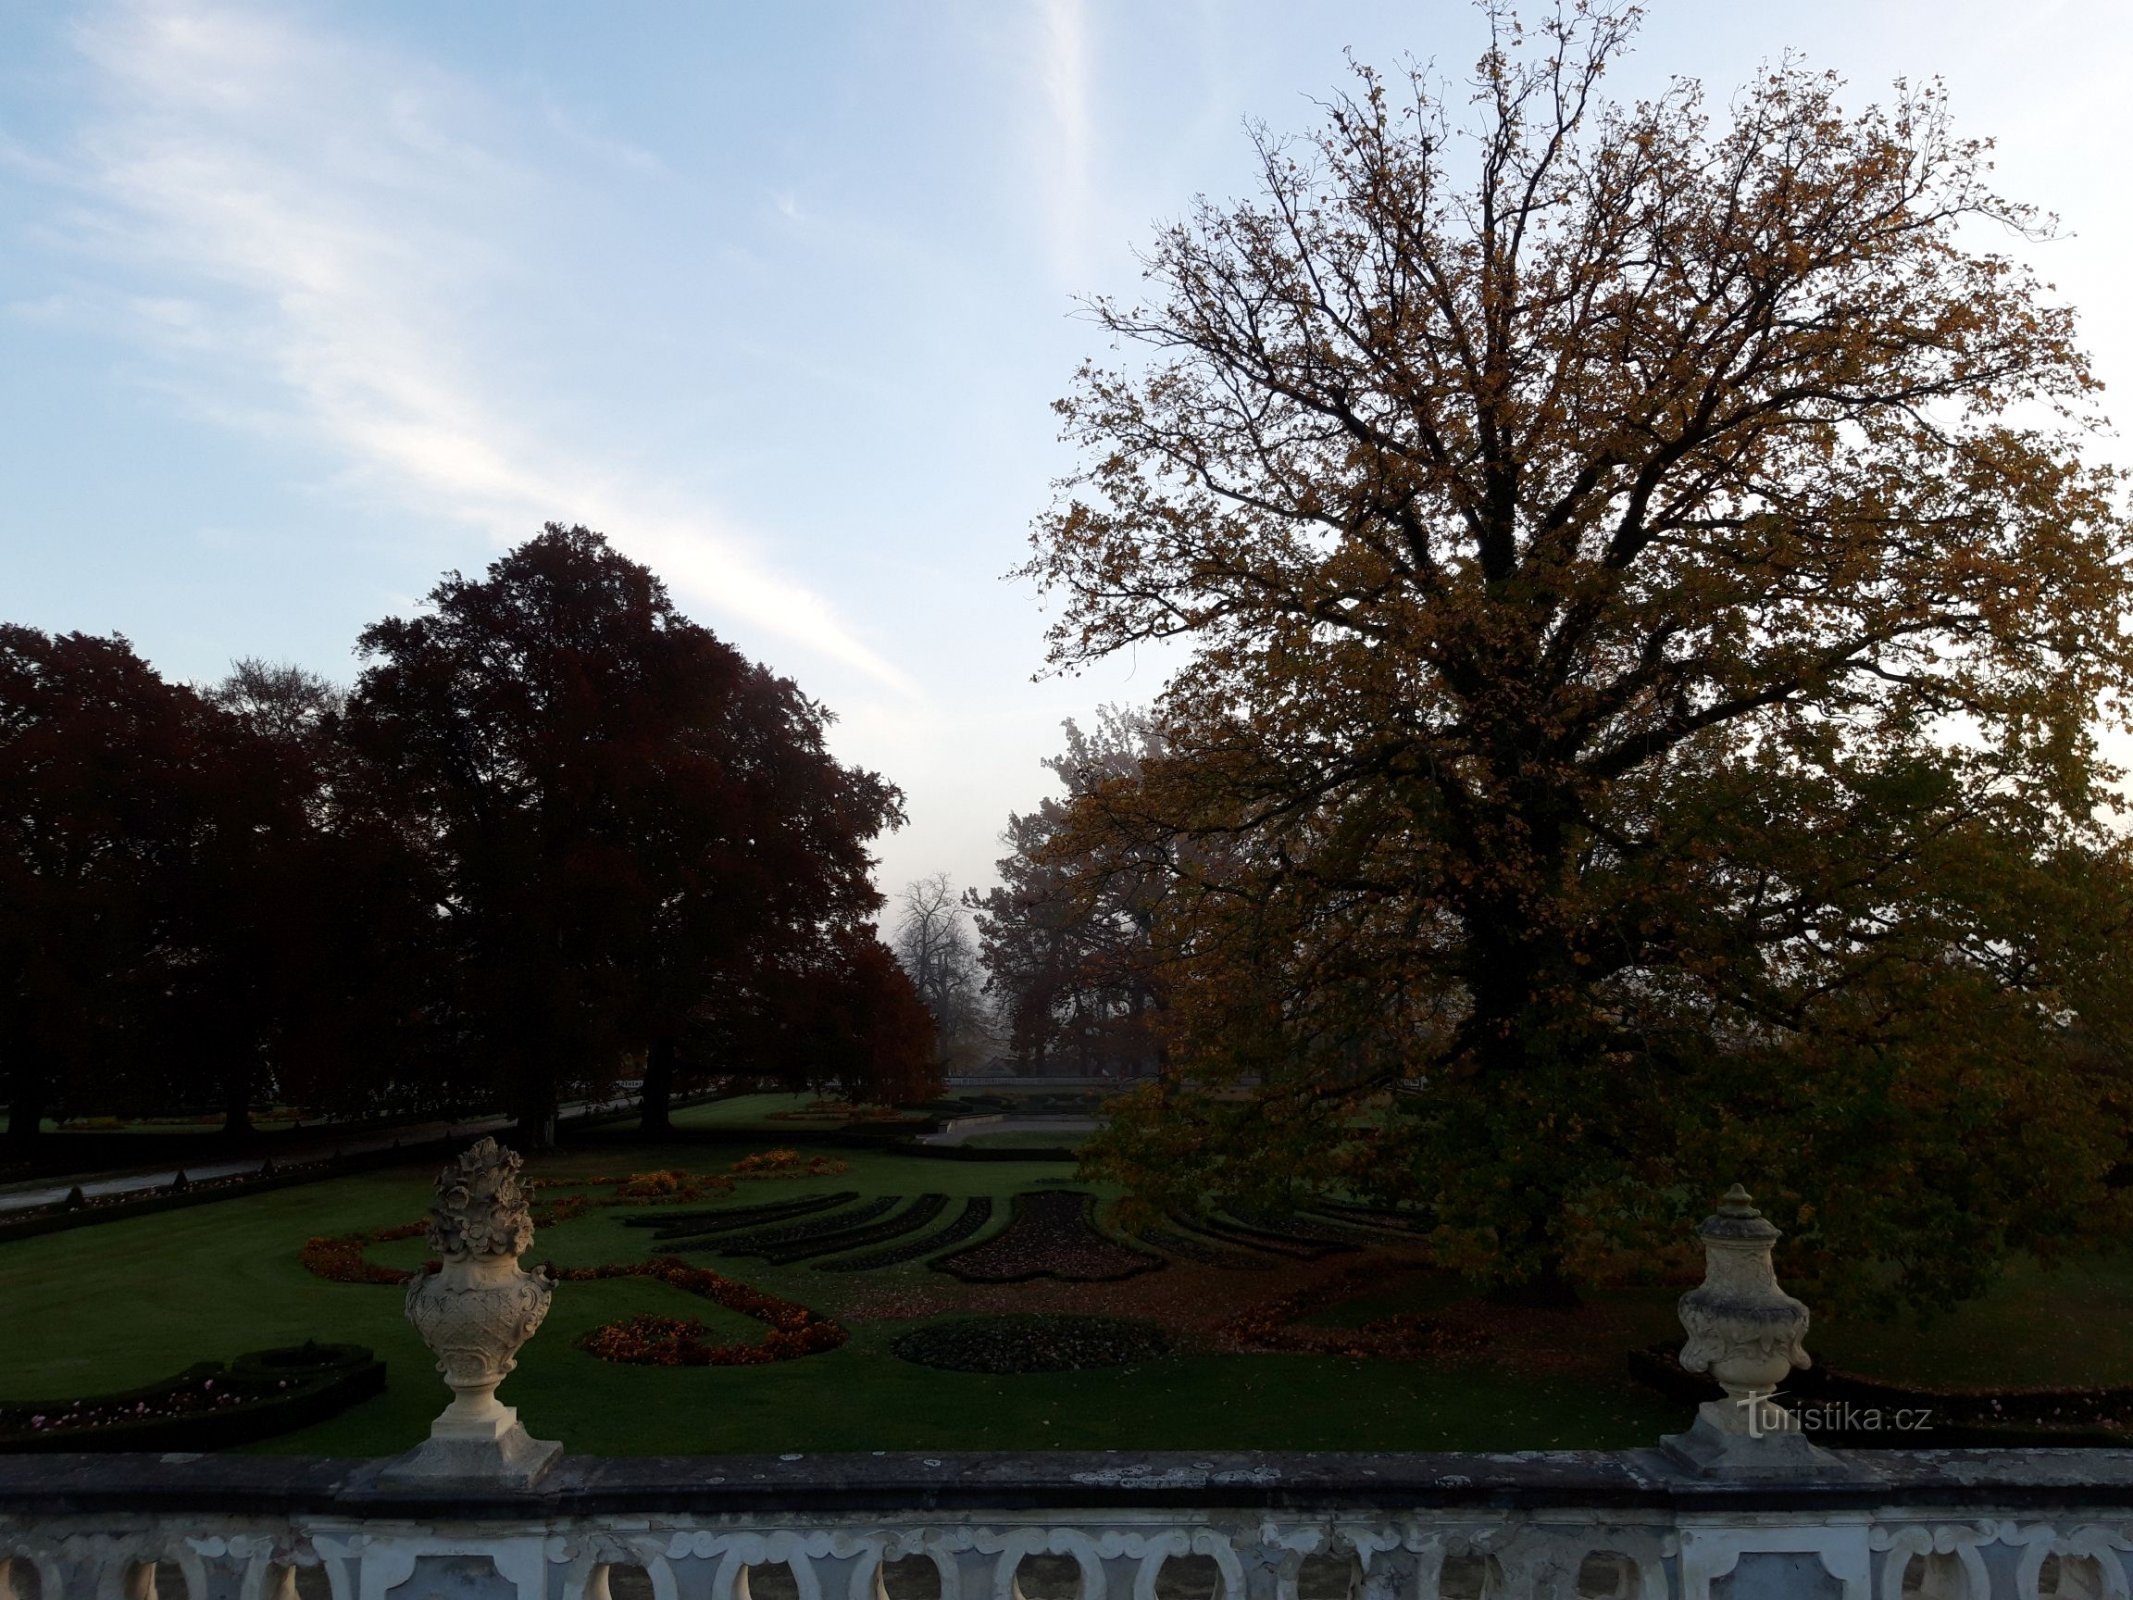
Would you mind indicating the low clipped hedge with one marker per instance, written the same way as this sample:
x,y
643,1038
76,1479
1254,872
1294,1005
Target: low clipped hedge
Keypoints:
x,y
977,1211
1033,1342
735,1219
206,1407
769,1241
918,1215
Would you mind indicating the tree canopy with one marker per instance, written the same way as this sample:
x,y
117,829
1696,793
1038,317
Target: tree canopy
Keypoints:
x,y
556,834
631,826
1064,936
1651,618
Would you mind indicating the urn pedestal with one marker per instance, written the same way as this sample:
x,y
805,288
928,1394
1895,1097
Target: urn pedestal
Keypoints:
x,y
474,1314
1746,1332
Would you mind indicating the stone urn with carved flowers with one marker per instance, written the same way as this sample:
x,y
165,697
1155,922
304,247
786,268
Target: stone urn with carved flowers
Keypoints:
x,y
474,1314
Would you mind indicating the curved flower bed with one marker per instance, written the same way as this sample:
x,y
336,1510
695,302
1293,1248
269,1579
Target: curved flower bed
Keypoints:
x,y
787,1164
919,1214
1033,1342
977,1211
1186,1248
731,1219
795,1330
205,1407
655,1341
1051,1235
768,1240
1298,1243
339,1258
1345,1211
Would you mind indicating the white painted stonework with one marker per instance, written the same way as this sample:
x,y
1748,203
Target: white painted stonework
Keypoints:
x,y
1559,1554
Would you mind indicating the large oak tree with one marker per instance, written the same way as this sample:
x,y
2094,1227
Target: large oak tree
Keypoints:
x,y
1650,619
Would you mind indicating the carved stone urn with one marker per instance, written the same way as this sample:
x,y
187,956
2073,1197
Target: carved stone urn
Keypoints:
x,y
474,1314
1746,1333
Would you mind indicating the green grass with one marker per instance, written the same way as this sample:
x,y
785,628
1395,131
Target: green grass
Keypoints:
x,y
1027,1141
125,1303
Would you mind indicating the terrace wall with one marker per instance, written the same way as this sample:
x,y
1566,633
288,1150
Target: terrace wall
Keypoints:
x,y
1985,1525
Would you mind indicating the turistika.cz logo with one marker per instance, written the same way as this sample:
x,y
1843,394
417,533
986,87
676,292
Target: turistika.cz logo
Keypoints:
x,y
1766,1416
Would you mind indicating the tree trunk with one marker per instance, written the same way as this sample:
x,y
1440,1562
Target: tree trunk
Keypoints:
x,y
25,1105
536,1108
658,1093
237,1101
535,1130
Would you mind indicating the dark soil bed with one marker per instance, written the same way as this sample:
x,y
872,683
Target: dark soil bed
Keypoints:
x,y
1051,1235
1033,1342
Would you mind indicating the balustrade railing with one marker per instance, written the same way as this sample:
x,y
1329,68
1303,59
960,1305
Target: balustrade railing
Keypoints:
x,y
1981,1525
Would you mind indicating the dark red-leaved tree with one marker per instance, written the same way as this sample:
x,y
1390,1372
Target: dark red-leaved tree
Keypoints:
x,y
100,792
629,824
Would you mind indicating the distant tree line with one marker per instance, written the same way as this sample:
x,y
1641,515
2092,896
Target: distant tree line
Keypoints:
x,y
556,834
1065,937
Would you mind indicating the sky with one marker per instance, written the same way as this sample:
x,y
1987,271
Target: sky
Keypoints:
x,y
302,305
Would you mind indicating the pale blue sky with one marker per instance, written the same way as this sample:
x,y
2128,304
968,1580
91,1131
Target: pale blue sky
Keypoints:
x,y
302,304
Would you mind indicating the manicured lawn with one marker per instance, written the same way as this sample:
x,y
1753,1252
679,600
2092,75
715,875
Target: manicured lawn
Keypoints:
x,y
124,1303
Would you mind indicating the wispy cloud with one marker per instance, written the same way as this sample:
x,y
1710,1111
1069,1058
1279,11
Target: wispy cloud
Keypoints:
x,y
1066,141
326,219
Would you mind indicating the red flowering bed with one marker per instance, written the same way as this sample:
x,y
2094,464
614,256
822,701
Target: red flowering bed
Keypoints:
x,y
340,1257
795,1330
654,1341
787,1164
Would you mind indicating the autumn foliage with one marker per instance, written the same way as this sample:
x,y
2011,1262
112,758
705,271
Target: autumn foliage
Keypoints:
x,y
557,835
1651,619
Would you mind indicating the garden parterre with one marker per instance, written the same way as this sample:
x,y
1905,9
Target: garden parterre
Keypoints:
x,y
196,1284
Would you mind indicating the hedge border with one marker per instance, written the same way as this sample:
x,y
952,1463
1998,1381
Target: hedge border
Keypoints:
x,y
769,1241
736,1219
35,1223
976,1212
342,1384
920,1214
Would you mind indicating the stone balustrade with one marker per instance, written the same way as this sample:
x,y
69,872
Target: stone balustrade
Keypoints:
x,y
1984,1525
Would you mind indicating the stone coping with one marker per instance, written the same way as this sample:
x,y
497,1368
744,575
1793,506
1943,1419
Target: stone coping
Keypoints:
x,y
101,1485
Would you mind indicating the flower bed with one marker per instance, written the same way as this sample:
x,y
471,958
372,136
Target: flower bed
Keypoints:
x,y
1271,1326
1280,1242
655,1341
795,1330
339,1258
787,1164
1342,1211
731,1219
977,1211
205,1407
1187,1248
1051,1235
919,1214
766,1240
1033,1342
